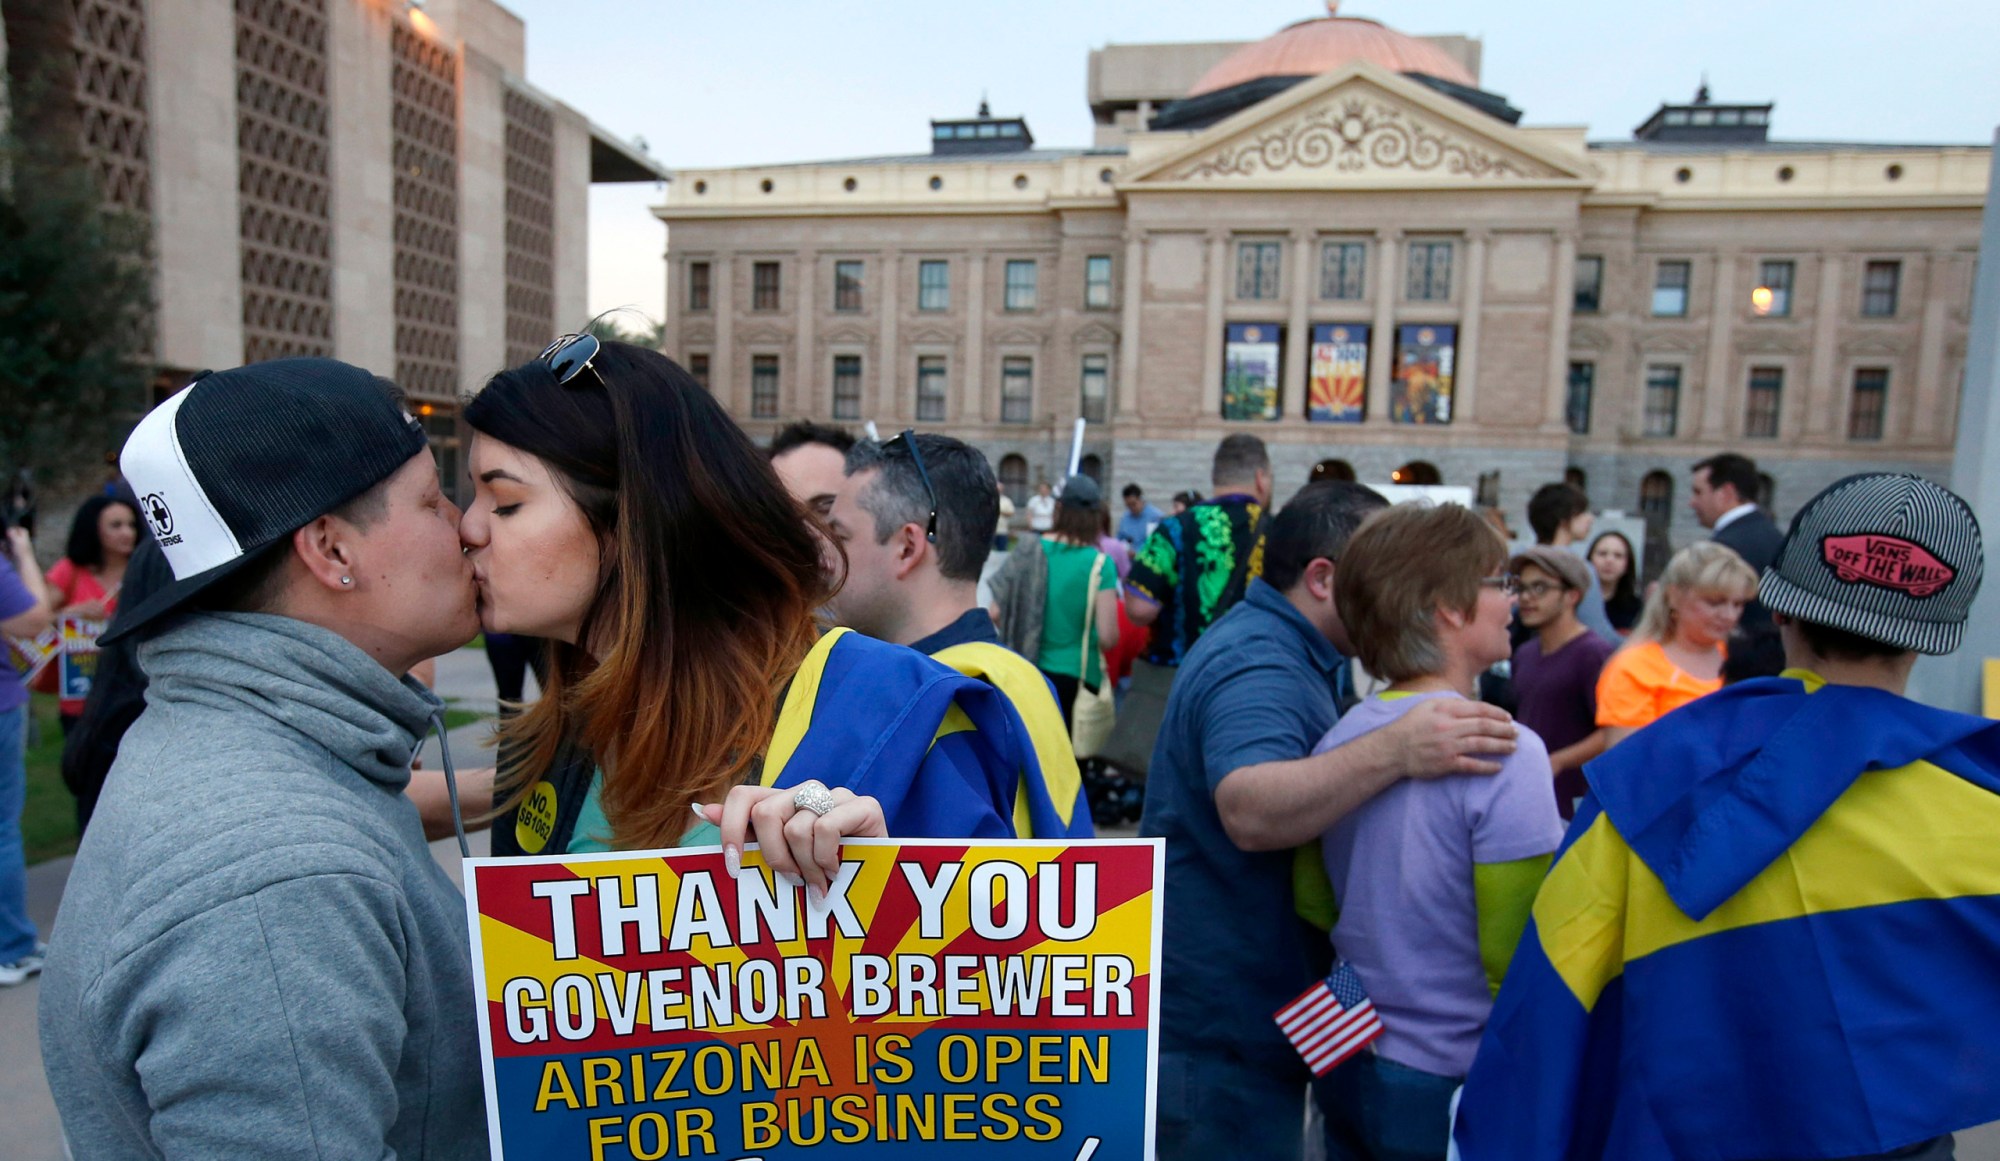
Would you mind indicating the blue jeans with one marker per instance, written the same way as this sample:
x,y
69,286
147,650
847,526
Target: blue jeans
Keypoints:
x,y
1213,1105
1378,1110
17,934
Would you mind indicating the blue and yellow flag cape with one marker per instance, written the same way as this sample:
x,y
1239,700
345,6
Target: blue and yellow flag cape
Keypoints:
x,y
1055,808
1773,931
945,753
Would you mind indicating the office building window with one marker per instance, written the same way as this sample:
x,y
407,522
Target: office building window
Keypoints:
x,y
1096,403
1760,409
934,285
1343,268
1257,269
698,369
1097,281
847,386
1869,404
764,286
847,286
1017,390
1582,381
1427,273
1772,296
1663,401
1879,283
930,389
1021,284
1589,284
1670,289
698,286
763,386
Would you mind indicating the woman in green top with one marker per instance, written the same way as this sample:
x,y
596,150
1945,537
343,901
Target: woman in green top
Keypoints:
x,y
1079,588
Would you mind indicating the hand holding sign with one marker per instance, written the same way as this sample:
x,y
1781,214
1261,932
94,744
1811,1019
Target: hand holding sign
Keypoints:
x,y
799,844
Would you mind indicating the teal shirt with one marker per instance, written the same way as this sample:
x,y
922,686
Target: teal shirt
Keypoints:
x,y
593,831
1062,615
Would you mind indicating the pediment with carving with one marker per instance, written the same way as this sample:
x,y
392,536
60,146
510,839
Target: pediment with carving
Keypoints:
x,y
1366,126
1096,332
1776,343
764,334
699,335
1588,339
1018,337
848,335
1874,345
1670,344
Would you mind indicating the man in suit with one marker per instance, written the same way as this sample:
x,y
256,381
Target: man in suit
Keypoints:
x,y
1724,499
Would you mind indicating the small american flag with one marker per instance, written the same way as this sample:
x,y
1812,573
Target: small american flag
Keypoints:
x,y
1332,1021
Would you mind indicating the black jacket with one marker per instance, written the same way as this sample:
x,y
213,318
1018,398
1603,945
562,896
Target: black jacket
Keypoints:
x,y
1756,538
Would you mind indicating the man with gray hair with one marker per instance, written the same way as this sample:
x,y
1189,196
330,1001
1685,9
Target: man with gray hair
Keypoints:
x,y
915,516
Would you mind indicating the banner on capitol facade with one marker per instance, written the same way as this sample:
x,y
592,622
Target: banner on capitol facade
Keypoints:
x,y
991,999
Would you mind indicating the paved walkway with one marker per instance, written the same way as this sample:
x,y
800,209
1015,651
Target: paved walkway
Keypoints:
x,y
29,1130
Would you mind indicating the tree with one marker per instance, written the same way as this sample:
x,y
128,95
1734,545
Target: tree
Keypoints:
x,y
648,334
76,317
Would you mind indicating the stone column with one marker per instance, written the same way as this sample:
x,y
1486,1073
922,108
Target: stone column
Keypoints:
x,y
1211,343
572,227
197,226
722,377
891,349
1555,414
1298,329
973,372
1719,391
1382,339
1465,382
1922,421
1133,276
482,220
1824,390
808,377
363,210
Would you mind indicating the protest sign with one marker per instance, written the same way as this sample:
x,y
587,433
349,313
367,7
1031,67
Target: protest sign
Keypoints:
x,y
950,998
79,657
29,655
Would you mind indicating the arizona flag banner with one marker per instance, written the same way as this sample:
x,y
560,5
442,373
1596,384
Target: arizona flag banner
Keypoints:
x,y
956,1000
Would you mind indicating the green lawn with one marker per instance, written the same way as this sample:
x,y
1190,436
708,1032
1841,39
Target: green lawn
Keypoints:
x,y
48,821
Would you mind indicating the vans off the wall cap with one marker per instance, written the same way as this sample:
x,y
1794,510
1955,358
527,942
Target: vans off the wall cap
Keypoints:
x,y
1890,557
240,459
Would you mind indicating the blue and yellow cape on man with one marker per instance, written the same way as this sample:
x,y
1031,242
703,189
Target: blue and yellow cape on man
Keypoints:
x,y
945,751
1772,932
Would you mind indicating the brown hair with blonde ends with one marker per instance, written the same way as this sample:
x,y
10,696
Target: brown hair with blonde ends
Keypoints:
x,y
1402,566
706,598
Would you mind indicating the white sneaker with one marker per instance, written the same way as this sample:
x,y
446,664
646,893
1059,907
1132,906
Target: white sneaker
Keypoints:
x,y
28,965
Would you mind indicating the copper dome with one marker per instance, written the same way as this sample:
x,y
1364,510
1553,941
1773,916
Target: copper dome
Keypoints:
x,y
1311,47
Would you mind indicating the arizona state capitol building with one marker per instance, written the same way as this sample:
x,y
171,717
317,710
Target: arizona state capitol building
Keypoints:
x,y
1333,238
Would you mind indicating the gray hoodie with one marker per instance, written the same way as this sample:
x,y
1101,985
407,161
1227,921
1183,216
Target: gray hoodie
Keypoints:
x,y
257,955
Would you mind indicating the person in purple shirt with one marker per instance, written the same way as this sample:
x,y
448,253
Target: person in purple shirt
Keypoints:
x,y
1555,671
25,610
1434,879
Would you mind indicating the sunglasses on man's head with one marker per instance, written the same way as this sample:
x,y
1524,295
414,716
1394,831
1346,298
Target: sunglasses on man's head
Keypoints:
x,y
909,440
572,355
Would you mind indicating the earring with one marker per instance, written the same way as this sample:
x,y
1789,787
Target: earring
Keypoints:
x,y
347,580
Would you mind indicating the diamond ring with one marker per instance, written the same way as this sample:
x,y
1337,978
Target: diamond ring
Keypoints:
x,y
813,796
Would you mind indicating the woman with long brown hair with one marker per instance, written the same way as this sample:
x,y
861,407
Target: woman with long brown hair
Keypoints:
x,y
619,512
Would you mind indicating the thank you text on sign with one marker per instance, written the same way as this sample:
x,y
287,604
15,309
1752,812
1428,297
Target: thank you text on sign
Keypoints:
x,y
947,998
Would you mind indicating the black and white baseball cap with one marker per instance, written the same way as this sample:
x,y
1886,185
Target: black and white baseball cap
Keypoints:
x,y
1893,558
240,459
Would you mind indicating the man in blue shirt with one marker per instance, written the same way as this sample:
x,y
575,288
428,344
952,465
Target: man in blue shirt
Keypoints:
x,y
1137,523
24,612
1234,788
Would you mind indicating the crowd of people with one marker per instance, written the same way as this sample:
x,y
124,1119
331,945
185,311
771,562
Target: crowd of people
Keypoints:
x,y
1555,808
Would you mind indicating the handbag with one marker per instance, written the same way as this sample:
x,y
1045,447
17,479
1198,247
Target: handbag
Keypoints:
x,y
1094,715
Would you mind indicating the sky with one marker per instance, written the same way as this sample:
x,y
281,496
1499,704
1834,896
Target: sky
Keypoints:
x,y
763,81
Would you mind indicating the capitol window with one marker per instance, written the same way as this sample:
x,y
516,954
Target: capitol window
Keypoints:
x,y
1257,269
1428,272
1670,289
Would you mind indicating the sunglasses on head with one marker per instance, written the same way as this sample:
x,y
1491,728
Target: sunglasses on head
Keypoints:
x,y
909,440
572,355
